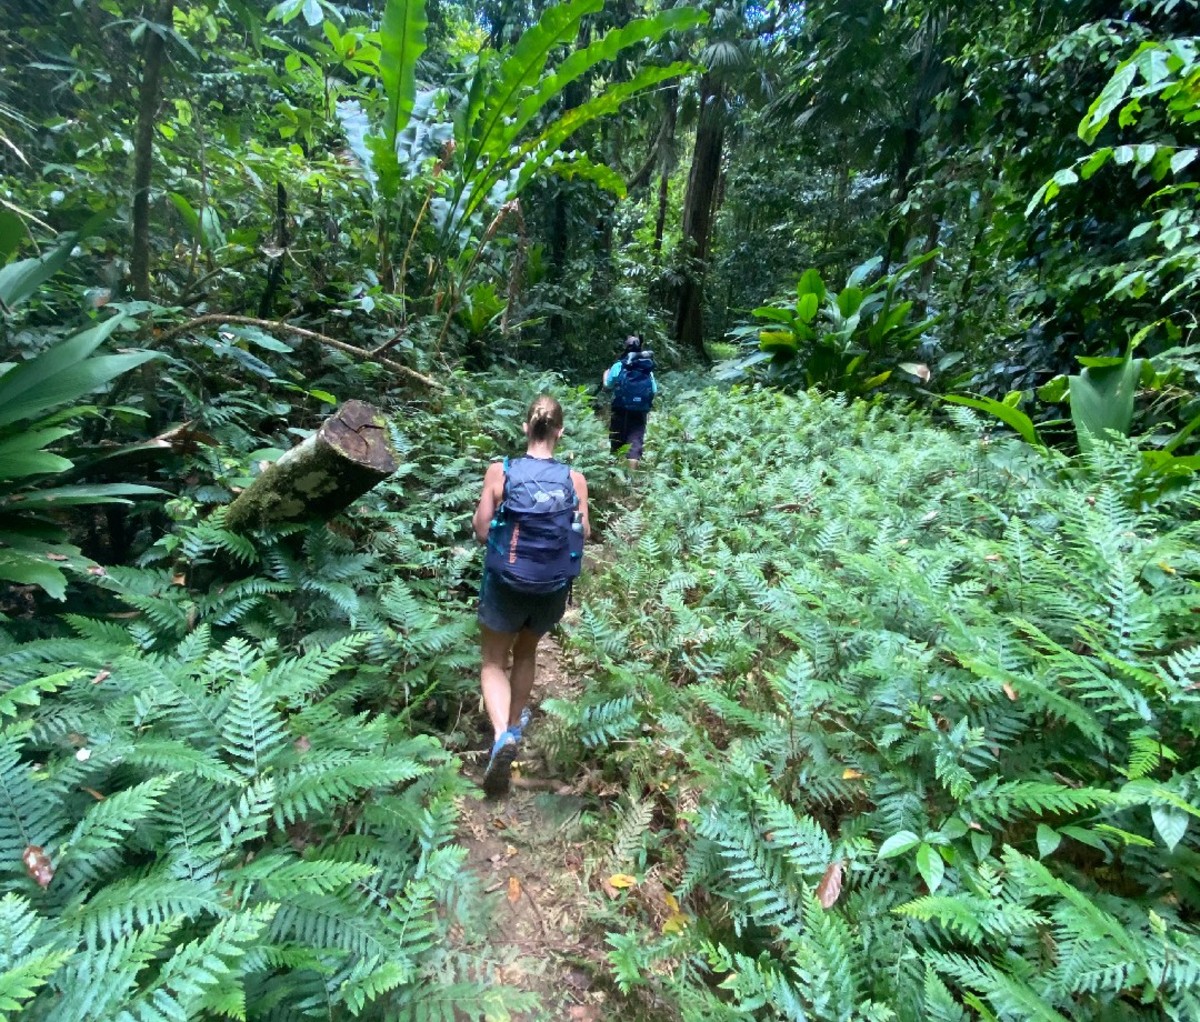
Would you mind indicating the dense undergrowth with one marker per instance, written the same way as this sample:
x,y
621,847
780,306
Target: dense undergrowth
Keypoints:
x,y
229,791
907,720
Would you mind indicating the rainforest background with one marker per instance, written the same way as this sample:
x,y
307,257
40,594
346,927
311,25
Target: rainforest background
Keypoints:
x,y
887,672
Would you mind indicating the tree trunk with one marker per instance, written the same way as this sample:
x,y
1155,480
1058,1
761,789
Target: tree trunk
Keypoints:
x,y
154,55
697,215
346,457
666,164
266,305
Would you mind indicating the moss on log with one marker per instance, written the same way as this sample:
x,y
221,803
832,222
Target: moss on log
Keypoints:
x,y
325,473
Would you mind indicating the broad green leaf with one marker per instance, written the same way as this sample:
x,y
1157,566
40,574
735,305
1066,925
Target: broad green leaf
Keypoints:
x,y
1054,390
70,385
1171,824
777,341
1094,162
212,236
1102,399
21,279
775,314
12,233
849,301
356,127
1010,416
521,70
25,569
858,276
71,496
609,46
402,41
1111,97
898,844
806,307
25,376
810,283
930,866
878,380
556,133
1048,839
187,212
18,464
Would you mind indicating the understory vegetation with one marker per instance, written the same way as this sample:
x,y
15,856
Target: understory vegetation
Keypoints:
x,y
884,678
906,716
230,789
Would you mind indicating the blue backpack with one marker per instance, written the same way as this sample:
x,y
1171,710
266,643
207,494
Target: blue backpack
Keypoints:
x,y
535,545
634,389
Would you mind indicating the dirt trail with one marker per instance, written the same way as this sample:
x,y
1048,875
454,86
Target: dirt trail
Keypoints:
x,y
528,852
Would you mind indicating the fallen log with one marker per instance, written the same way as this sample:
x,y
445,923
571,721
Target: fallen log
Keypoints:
x,y
328,471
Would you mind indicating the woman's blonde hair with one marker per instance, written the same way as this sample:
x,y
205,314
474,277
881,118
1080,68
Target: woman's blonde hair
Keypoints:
x,y
544,418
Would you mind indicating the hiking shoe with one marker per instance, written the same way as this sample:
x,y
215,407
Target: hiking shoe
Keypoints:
x,y
518,729
499,768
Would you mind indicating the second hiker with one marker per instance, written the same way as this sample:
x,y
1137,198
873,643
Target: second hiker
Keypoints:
x,y
633,385
533,516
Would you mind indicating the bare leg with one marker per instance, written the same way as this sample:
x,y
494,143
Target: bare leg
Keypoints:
x,y
523,667
493,679
633,464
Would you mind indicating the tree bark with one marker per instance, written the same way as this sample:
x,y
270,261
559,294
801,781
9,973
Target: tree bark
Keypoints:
x,y
266,305
346,457
154,55
666,164
697,215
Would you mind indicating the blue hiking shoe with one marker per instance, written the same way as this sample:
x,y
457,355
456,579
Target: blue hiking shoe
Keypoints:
x,y
499,768
518,729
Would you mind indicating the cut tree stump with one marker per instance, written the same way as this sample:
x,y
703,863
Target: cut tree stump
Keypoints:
x,y
346,457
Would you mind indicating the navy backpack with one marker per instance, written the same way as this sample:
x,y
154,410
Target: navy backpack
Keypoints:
x,y
634,389
535,545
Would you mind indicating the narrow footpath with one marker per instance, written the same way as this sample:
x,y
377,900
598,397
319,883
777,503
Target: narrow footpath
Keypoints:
x,y
528,851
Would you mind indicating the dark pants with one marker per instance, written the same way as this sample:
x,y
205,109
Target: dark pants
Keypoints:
x,y
627,427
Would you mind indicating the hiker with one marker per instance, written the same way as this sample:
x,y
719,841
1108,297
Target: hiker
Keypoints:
x,y
633,385
533,516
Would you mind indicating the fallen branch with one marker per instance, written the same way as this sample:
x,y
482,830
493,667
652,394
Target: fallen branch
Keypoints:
x,y
299,331
349,455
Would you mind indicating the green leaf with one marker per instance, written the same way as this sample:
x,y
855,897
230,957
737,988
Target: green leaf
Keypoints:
x,y
1048,839
1094,162
521,70
1010,416
1102,399
806,307
810,283
71,496
402,41
20,279
69,385
1171,824
187,212
931,866
898,844
21,378
12,233
1111,97
850,300
1055,390
608,47
25,569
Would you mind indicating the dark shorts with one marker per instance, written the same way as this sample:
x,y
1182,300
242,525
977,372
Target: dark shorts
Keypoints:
x,y
503,609
626,427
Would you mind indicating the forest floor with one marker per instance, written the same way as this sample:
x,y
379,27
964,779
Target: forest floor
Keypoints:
x,y
528,851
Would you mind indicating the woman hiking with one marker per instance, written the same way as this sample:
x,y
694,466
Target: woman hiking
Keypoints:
x,y
634,387
533,516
